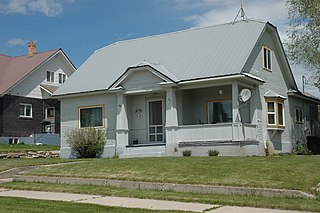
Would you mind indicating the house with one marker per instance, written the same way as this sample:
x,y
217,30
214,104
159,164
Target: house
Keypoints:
x,y
27,110
227,87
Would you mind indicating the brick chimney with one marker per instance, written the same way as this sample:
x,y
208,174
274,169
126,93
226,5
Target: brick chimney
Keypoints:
x,y
32,49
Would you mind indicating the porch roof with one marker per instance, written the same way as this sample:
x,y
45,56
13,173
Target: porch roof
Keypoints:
x,y
220,50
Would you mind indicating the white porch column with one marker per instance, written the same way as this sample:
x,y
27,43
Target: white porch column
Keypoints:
x,y
122,130
237,130
171,122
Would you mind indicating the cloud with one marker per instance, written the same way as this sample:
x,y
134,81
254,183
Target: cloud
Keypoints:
x,y
49,8
213,12
16,42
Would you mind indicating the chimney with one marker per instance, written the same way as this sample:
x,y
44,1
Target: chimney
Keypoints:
x,y
32,49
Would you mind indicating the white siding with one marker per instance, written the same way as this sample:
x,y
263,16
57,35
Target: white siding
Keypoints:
x,y
30,86
275,82
70,114
142,79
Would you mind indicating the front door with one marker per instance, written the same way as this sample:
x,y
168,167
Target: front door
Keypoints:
x,y
155,121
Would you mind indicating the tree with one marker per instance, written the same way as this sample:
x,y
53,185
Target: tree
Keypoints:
x,y
304,35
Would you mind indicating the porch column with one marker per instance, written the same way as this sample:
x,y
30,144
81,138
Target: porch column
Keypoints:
x,y
122,130
171,122
236,122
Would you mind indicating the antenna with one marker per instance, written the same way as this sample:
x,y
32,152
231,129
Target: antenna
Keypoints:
x,y
241,12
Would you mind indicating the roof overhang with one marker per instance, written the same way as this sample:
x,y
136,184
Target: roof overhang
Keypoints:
x,y
298,94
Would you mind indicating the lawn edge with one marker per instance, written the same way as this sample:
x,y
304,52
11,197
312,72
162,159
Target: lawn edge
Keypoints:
x,y
186,188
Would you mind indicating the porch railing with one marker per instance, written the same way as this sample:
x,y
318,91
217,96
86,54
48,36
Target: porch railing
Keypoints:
x,y
217,132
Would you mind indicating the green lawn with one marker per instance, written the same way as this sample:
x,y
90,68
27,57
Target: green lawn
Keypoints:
x,y
232,200
4,148
23,205
285,172
6,164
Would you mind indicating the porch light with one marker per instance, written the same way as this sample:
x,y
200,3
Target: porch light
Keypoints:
x,y
138,112
220,91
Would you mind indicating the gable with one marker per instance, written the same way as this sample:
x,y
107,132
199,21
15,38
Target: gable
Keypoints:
x,y
141,79
32,84
280,74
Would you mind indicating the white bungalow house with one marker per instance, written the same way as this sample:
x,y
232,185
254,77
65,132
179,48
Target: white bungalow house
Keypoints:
x,y
227,87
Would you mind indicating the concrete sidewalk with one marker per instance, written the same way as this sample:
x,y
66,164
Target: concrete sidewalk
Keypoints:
x,y
134,202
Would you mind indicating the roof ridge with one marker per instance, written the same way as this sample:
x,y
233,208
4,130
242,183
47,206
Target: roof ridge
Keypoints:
x,y
179,31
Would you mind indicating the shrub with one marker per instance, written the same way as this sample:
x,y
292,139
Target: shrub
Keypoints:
x,y
186,153
213,152
300,149
86,142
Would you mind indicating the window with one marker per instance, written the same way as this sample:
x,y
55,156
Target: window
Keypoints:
x,y
299,115
25,110
266,58
62,78
50,76
91,116
275,113
49,113
219,111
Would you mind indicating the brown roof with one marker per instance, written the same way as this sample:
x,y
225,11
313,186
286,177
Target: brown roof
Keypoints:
x,y
14,68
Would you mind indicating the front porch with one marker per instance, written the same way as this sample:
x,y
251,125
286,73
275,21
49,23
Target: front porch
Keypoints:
x,y
157,117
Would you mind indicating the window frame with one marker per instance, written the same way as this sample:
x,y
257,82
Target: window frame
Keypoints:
x,y
276,102
300,114
25,110
63,78
51,77
266,60
215,101
46,113
102,106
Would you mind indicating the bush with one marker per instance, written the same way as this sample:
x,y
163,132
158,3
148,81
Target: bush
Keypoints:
x,y
186,153
87,142
300,149
213,152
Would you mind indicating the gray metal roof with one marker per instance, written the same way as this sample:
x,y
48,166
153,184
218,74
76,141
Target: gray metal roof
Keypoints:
x,y
185,55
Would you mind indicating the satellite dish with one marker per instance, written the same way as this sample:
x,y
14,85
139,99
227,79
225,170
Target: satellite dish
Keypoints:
x,y
244,95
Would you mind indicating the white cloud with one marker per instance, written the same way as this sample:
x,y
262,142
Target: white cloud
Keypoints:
x,y
16,42
47,7
213,12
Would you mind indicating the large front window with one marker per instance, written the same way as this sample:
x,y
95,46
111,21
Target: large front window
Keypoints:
x,y
91,116
275,113
219,111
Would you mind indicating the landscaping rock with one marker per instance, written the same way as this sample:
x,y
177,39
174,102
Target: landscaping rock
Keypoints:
x,y
38,154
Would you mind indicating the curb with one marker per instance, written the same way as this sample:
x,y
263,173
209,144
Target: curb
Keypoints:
x,y
188,188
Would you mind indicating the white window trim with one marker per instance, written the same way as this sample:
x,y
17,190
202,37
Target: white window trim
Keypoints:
x,y
52,77
24,110
264,57
54,112
91,107
65,77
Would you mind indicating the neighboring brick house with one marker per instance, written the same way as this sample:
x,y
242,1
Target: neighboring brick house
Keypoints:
x,y
27,111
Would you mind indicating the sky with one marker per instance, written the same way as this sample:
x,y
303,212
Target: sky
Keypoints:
x,y
80,27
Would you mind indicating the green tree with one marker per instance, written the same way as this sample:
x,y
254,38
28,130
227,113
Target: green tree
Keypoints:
x,y
304,35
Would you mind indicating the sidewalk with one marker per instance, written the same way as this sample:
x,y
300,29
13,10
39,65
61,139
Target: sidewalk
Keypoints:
x,y
134,202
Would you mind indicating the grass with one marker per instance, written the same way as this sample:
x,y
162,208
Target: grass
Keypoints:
x,y
23,205
232,200
284,172
6,164
5,148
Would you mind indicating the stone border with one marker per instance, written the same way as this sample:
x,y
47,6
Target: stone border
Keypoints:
x,y
206,189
